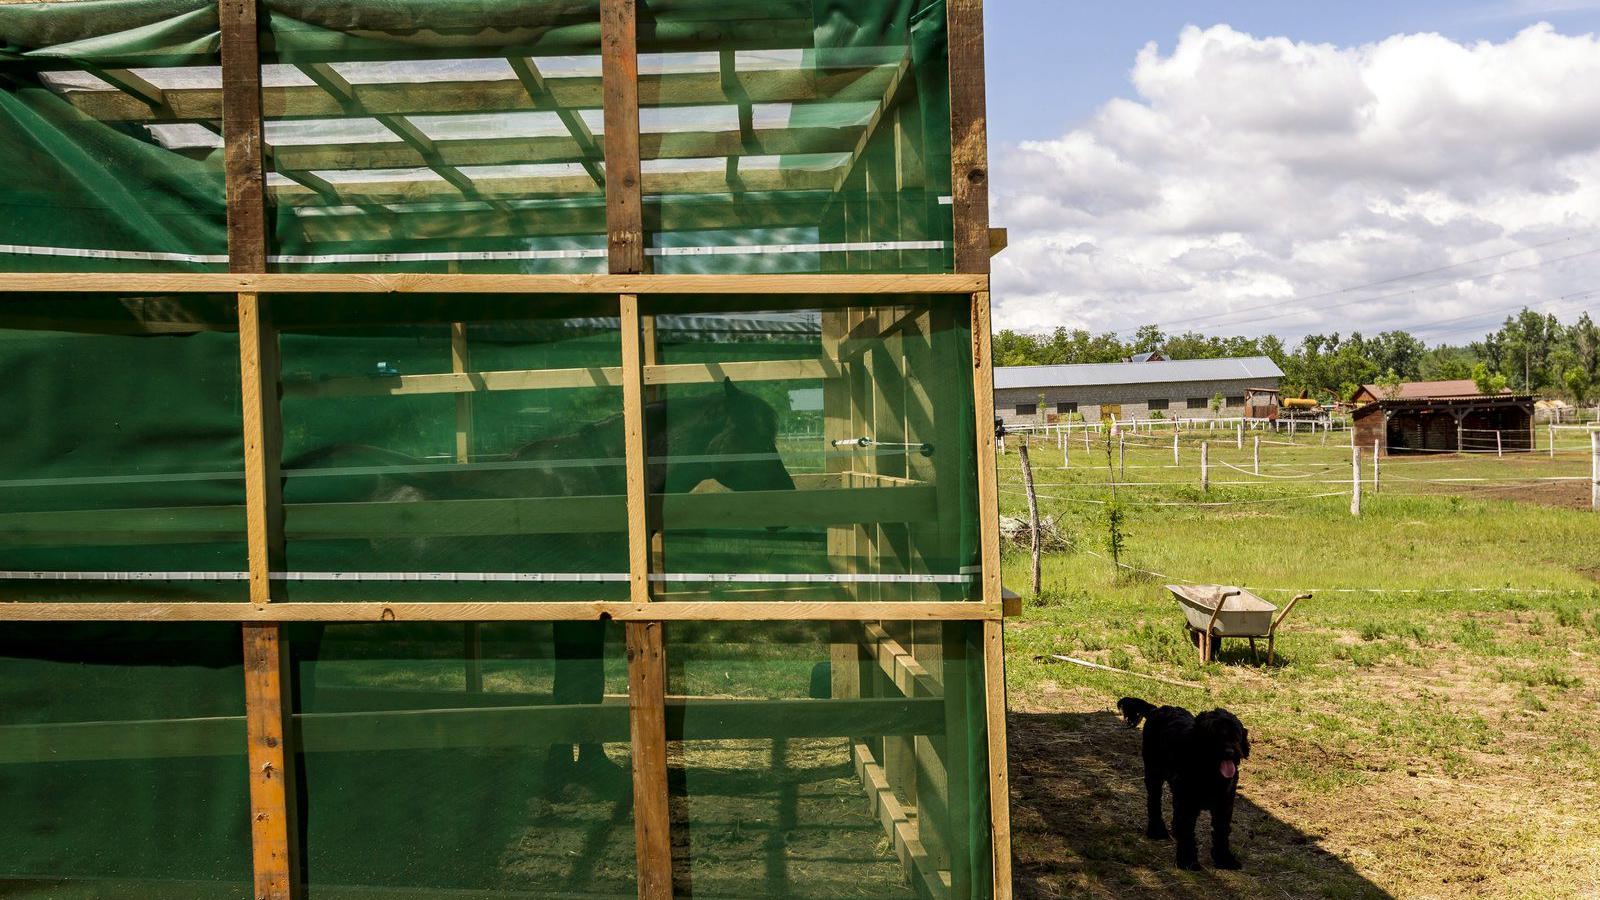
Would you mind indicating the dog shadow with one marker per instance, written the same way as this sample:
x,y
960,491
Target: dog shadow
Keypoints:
x,y
1078,818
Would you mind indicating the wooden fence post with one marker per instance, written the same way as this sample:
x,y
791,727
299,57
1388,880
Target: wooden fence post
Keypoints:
x,y
1594,470
1355,481
1033,510
1175,462
1238,441
1499,448
1257,455
1205,463
1375,464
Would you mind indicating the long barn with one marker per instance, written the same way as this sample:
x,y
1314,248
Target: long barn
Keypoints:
x,y
1131,390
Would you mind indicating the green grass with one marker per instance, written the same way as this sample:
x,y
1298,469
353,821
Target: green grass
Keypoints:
x,y
1453,635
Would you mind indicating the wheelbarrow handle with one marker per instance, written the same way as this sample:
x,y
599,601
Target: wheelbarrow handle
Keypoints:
x,y
1285,614
1217,610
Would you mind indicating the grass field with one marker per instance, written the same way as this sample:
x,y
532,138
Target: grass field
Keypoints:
x,y
1430,726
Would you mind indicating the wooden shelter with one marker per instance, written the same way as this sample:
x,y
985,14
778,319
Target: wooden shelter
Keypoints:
x,y
365,207
1474,424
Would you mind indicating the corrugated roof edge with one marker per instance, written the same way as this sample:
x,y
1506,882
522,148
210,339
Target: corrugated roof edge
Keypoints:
x,y
1153,372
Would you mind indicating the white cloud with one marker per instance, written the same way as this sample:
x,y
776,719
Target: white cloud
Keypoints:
x,y
1261,170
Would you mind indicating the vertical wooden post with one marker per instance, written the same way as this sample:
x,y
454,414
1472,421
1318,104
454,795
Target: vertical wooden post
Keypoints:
x,y
269,748
1355,481
1552,440
969,170
460,361
645,640
1238,441
1256,455
1175,461
1205,465
1033,510
1377,454
1122,457
1594,469
1499,448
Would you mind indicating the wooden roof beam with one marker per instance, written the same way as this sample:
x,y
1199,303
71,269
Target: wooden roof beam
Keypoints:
x,y
539,92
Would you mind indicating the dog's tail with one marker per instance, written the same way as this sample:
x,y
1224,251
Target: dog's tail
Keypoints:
x,y
1134,709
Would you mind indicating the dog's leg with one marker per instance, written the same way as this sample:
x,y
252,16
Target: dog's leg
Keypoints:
x,y
1184,816
1155,829
1221,826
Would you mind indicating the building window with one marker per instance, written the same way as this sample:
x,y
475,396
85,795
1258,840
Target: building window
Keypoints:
x,y
1066,408
1199,402
1156,405
1236,401
1027,409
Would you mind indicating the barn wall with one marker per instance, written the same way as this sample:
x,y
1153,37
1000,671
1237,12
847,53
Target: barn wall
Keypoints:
x,y
1133,398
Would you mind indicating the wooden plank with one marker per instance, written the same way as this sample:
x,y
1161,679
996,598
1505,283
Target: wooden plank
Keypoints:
x,y
419,283
490,721
994,675
908,675
775,609
647,671
460,518
273,822
969,140
983,415
620,70
904,833
634,439
463,382
508,94
240,111
460,365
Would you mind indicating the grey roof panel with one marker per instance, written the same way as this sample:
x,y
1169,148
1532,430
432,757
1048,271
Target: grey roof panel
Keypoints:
x,y
1162,372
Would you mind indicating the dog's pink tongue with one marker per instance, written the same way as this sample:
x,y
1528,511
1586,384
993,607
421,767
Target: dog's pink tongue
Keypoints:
x,y
1229,769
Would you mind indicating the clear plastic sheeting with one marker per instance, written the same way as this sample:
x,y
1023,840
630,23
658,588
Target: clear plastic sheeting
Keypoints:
x,y
466,136
822,760
825,454
122,476
122,762
452,448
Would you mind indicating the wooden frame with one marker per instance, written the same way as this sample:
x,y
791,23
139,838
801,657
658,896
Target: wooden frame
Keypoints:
x,y
884,652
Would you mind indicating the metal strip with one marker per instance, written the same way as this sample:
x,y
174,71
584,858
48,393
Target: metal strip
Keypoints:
x,y
567,577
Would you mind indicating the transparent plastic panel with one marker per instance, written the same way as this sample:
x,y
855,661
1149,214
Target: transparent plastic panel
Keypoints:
x,y
122,476
404,135
821,147
823,760
453,448
487,759
122,762
822,451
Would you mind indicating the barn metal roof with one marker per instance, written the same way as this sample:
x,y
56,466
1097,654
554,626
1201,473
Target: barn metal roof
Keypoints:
x,y
1153,372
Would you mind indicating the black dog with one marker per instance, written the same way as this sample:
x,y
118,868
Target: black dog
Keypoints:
x,y
1199,756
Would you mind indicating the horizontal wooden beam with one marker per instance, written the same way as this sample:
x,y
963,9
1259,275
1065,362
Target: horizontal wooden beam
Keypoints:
x,y
356,283
553,379
498,95
471,727
452,183
395,520
511,611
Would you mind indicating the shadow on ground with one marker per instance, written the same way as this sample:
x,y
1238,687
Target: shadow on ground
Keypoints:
x,y
1078,818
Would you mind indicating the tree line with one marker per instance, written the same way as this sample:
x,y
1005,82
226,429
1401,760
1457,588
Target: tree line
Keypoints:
x,y
1530,353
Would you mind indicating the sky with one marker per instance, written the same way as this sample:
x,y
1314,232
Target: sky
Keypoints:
x,y
1287,167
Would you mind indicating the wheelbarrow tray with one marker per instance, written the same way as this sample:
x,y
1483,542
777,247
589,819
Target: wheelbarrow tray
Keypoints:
x,y
1243,614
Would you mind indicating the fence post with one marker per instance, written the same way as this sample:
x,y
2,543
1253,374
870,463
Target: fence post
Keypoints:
x,y
1258,454
1552,440
1122,457
1594,470
1238,437
1499,449
1375,457
1033,509
1205,462
1066,452
1355,481
1175,462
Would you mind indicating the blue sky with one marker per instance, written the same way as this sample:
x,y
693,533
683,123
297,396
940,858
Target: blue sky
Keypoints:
x,y
1294,166
1052,63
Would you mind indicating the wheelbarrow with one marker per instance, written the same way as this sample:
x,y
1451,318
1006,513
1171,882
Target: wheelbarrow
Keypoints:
x,y
1213,612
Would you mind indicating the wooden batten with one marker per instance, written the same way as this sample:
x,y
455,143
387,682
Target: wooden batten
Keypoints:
x,y
768,605
417,283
